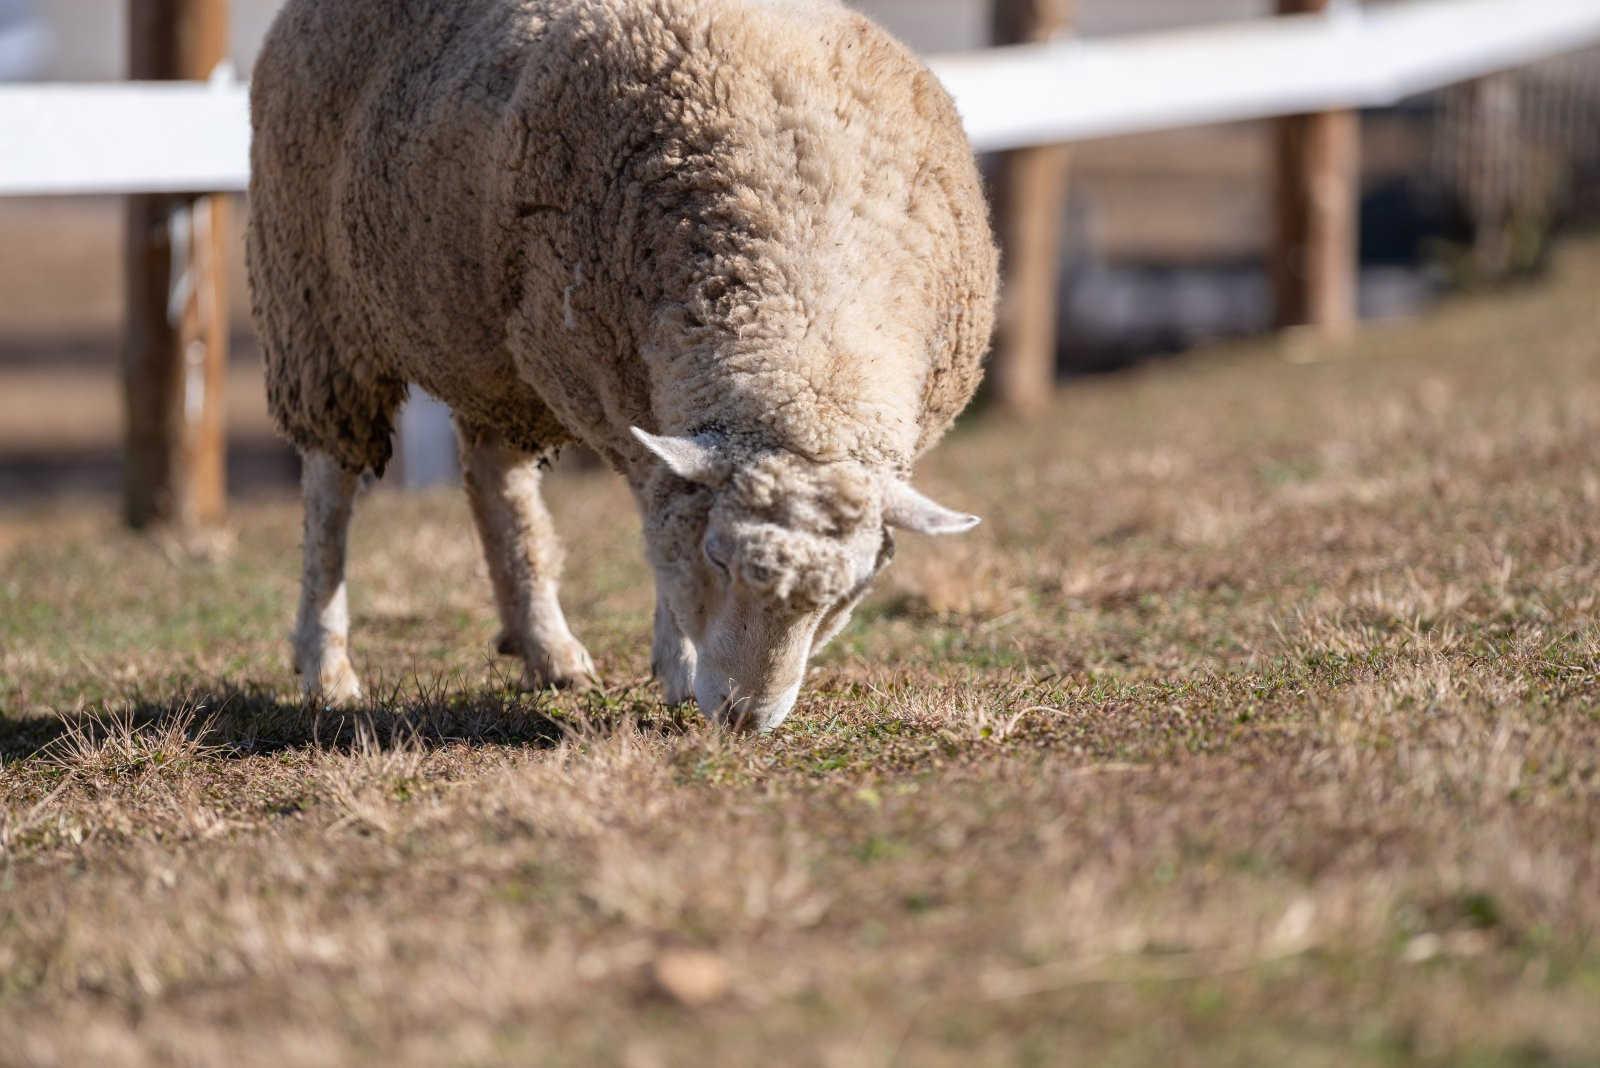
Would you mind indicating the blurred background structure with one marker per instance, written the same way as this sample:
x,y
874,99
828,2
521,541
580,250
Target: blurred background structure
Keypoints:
x,y
1119,250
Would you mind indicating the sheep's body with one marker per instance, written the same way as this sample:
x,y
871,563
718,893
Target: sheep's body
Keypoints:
x,y
568,218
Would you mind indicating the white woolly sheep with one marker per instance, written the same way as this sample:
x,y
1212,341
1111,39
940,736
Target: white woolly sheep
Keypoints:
x,y
737,247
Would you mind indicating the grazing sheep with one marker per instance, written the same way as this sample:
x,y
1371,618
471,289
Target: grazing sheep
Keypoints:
x,y
737,247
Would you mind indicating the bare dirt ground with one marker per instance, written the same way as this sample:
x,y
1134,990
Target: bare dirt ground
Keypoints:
x,y
1259,725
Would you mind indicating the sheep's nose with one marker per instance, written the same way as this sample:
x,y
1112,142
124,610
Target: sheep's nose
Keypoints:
x,y
741,716
747,714
713,692
723,708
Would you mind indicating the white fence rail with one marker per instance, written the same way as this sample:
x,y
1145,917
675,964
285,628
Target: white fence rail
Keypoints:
x,y
127,138
1354,57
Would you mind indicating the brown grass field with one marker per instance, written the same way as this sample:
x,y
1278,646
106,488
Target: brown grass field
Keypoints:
x,y
1260,725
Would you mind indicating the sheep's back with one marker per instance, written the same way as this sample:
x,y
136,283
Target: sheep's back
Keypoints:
x,y
641,210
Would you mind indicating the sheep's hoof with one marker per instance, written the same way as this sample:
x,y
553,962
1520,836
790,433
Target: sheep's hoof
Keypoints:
x,y
335,684
567,668
508,644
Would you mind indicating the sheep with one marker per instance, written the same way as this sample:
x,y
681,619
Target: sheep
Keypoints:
x,y
738,248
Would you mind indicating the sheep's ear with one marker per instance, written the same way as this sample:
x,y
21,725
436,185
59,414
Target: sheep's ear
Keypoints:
x,y
690,459
906,509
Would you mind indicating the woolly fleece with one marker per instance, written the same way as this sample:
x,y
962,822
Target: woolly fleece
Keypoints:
x,y
568,217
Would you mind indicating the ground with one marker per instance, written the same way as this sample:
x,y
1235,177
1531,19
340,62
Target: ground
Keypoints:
x,y
1260,724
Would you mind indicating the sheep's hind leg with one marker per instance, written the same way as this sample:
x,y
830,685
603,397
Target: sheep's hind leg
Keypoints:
x,y
672,657
524,558
322,630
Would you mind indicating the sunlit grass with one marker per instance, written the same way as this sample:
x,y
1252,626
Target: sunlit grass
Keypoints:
x,y
1259,724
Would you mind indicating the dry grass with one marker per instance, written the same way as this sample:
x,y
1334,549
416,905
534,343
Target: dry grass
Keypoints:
x,y
1261,725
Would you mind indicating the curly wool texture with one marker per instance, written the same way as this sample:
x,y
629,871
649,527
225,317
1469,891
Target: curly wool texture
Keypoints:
x,y
567,217
789,523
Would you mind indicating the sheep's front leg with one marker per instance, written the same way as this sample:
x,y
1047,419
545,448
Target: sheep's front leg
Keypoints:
x,y
322,628
524,558
672,658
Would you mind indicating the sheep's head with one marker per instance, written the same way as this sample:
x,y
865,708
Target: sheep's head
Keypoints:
x,y
761,556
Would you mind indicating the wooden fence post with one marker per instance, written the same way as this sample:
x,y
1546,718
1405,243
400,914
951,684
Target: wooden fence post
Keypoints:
x,y
1030,199
176,344
1498,186
1315,263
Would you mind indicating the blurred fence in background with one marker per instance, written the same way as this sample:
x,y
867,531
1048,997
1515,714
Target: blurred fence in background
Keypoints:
x,y
1509,149
1517,152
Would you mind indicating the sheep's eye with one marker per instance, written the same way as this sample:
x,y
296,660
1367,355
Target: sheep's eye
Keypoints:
x,y
885,551
716,556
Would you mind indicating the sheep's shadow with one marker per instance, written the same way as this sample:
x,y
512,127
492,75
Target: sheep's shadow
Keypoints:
x,y
235,720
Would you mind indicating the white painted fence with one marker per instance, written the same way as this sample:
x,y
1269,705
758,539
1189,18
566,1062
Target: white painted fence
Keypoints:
x,y
1353,57
127,138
